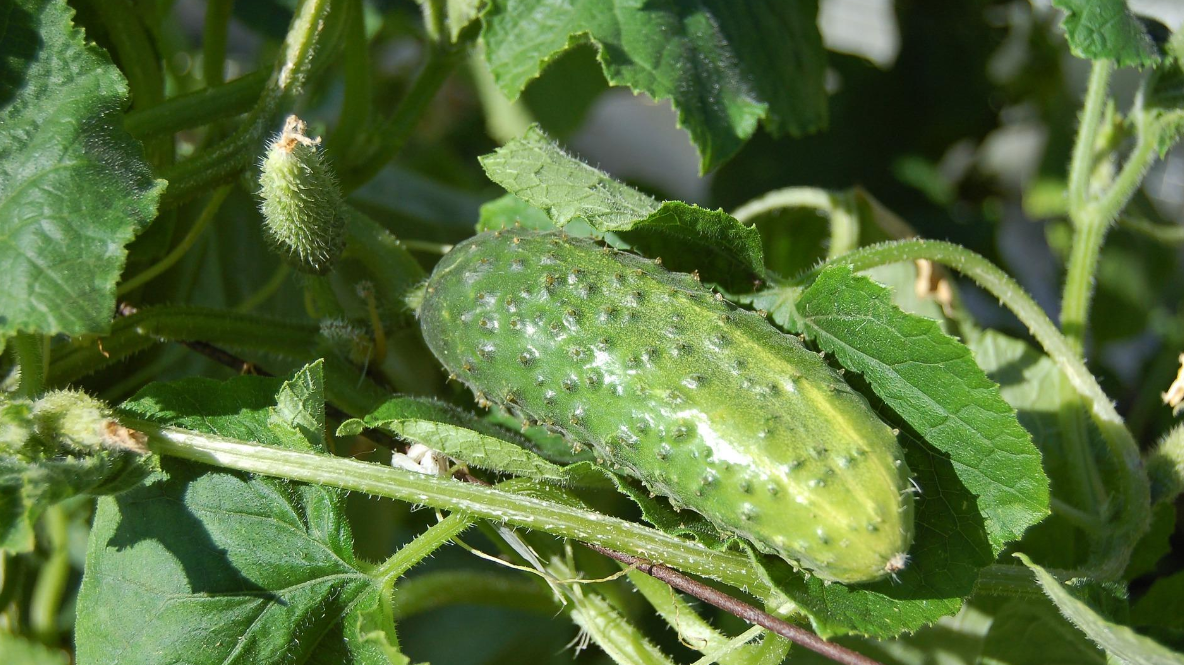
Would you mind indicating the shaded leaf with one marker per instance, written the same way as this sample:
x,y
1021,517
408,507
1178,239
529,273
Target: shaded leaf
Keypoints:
x,y
549,445
760,60
688,238
508,211
1106,30
1163,99
460,14
1162,605
223,566
1032,384
74,186
19,651
300,406
932,381
1030,631
1119,642
1155,544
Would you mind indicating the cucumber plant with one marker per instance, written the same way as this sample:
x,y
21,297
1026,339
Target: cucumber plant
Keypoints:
x,y
235,358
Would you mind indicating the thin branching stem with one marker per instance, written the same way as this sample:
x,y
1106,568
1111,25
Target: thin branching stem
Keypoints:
x,y
207,214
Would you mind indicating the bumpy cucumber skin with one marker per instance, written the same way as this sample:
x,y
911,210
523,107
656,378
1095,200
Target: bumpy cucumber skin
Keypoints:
x,y
301,201
703,402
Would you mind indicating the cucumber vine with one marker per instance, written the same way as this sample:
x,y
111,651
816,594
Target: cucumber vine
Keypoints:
x,y
232,353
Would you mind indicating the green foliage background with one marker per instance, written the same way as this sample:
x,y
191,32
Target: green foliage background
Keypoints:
x,y
130,132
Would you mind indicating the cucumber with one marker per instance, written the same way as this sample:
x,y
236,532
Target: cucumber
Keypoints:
x,y
301,201
703,402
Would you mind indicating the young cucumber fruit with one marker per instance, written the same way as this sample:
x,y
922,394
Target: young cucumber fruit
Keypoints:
x,y
703,402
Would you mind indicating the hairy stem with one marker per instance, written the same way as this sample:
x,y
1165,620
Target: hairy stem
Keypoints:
x,y
356,99
46,603
430,591
692,629
422,547
138,60
794,633
789,197
31,355
502,506
131,334
1168,234
1079,280
1081,165
1092,216
266,291
840,207
197,108
213,41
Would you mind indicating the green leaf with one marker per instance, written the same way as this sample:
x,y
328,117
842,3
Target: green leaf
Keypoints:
x,y
686,237
551,446
62,446
1061,425
538,171
300,406
19,651
1155,544
217,566
460,14
1162,605
932,381
1030,631
457,434
74,186
956,640
724,65
1163,98
949,549
1033,385
508,211
1106,30
1120,642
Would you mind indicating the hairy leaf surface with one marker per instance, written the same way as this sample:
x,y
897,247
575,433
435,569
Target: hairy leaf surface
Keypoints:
x,y
224,566
1120,642
686,237
74,186
1106,30
724,65
457,434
